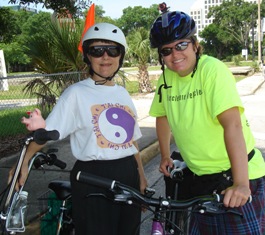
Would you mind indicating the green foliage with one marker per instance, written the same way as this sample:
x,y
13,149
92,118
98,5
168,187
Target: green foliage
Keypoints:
x,y
137,17
237,60
15,53
8,25
73,7
139,48
235,18
55,48
255,65
218,42
139,45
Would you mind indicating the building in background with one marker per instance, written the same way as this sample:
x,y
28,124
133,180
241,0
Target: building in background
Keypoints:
x,y
21,7
200,9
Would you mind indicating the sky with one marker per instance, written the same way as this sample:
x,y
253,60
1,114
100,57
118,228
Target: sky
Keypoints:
x,y
114,8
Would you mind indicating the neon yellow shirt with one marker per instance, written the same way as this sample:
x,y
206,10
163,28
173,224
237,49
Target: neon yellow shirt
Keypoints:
x,y
192,105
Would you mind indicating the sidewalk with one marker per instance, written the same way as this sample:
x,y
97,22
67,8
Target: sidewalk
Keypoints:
x,y
148,143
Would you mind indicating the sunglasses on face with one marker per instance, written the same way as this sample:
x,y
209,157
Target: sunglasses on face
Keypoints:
x,y
179,47
98,51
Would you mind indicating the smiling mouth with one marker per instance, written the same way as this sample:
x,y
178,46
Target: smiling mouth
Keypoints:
x,y
105,64
178,61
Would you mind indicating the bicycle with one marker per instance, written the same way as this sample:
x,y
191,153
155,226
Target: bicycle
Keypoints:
x,y
64,221
9,195
208,204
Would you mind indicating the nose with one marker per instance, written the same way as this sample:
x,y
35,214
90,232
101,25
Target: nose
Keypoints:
x,y
174,51
105,55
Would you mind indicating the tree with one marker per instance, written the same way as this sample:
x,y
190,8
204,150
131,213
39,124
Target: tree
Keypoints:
x,y
139,48
62,7
136,17
28,26
56,53
218,43
235,18
14,55
8,25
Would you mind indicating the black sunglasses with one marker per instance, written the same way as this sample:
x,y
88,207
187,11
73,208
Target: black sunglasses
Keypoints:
x,y
179,47
98,51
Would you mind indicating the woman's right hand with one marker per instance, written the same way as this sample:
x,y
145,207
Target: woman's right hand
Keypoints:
x,y
164,164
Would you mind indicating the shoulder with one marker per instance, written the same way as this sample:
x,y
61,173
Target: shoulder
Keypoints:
x,y
211,62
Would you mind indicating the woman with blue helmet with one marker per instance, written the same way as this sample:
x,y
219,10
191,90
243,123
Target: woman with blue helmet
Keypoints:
x,y
197,101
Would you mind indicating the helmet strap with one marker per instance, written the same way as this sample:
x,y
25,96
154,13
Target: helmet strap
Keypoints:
x,y
102,82
165,86
195,67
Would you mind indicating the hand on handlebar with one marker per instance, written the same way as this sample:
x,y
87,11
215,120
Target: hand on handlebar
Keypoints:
x,y
236,195
164,164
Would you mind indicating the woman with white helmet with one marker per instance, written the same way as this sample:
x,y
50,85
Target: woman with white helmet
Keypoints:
x,y
101,120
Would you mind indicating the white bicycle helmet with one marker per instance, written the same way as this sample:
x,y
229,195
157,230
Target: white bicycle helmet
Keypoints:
x,y
108,32
105,31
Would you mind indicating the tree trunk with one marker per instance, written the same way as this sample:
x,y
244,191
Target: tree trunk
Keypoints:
x,y
143,79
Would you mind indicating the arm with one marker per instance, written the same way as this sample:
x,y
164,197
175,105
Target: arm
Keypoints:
x,y
164,134
238,194
34,122
32,149
143,181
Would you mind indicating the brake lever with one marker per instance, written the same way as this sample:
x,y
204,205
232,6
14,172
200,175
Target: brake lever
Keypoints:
x,y
214,207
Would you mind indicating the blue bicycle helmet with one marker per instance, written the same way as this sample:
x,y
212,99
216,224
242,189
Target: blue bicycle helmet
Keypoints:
x,y
171,26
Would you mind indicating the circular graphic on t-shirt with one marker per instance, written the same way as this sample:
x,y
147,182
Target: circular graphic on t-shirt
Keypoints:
x,y
113,125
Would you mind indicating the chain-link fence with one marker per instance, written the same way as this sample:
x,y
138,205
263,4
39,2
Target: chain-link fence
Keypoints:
x,y
19,94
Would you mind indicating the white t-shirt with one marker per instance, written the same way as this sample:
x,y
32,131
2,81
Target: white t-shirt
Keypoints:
x,y
101,121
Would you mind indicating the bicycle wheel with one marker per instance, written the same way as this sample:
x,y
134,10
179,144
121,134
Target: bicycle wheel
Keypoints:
x,y
177,222
180,225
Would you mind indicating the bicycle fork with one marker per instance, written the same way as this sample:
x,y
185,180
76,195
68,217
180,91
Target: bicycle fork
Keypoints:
x,y
158,225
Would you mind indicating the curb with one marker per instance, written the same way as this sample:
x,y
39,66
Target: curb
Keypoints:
x,y
250,85
149,152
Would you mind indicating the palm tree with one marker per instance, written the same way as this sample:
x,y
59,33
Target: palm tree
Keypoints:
x,y
139,48
55,52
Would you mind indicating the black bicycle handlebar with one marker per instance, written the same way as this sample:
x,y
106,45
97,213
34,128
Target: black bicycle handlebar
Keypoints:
x,y
95,180
134,194
49,159
41,136
209,203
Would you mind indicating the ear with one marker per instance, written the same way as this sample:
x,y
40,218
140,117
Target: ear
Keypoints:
x,y
195,46
86,59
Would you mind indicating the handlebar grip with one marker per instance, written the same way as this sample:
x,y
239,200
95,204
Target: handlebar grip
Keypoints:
x,y
41,136
60,164
220,198
95,180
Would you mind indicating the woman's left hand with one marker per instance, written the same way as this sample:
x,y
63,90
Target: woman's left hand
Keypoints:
x,y
236,195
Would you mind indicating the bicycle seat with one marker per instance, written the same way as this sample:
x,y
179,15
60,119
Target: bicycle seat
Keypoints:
x,y
62,189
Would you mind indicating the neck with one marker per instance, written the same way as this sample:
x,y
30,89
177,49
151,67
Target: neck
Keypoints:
x,y
102,81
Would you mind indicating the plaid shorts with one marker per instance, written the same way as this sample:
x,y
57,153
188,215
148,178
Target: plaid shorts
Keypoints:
x,y
252,223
